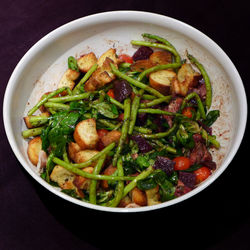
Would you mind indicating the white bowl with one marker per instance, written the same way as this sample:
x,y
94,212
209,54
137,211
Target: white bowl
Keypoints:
x,y
42,66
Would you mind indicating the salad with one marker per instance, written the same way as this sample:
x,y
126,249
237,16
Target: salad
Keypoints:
x,y
126,131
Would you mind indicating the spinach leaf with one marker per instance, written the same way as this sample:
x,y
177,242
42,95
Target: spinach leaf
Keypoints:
x,y
192,168
211,117
114,109
147,183
105,109
142,162
104,196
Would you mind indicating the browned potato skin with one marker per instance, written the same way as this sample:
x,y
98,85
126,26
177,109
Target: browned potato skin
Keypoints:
x,y
153,196
85,134
142,65
86,61
82,182
161,80
110,53
85,155
73,148
125,201
138,197
34,148
112,136
161,57
108,171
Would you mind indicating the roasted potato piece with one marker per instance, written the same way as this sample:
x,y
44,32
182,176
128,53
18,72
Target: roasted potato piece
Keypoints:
x,y
161,57
179,88
62,177
153,196
142,65
85,155
27,119
112,136
187,74
110,53
108,171
139,197
85,134
102,76
68,79
161,80
34,148
82,182
85,62
125,201
73,148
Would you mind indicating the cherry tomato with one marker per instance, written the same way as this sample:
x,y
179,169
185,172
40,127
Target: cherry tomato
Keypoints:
x,y
125,58
102,132
181,163
111,93
202,174
188,112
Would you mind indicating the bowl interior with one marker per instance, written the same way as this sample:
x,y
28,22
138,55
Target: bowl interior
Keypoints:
x,y
42,67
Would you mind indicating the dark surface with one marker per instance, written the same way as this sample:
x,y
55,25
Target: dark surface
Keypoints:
x,y
33,218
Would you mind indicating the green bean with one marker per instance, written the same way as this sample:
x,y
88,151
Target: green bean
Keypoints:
x,y
135,82
134,110
156,45
115,102
158,112
52,111
144,174
107,123
164,41
124,65
142,130
95,157
210,139
32,132
201,68
120,185
148,97
102,96
65,155
70,98
117,126
37,121
166,147
93,183
76,90
124,131
156,101
57,106
199,103
71,168
45,99
158,67
160,135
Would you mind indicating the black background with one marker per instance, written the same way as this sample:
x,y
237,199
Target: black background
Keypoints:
x,y
33,218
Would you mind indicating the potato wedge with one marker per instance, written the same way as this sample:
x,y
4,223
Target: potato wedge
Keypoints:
x,y
73,148
82,182
85,134
142,65
62,177
34,148
125,201
112,136
187,74
68,79
86,61
161,57
85,155
161,80
110,53
139,197
153,196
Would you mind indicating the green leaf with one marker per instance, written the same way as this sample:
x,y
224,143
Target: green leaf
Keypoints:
x,y
114,109
105,109
211,117
72,63
192,168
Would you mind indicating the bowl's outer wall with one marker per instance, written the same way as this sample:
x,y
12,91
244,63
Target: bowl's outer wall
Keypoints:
x,y
41,68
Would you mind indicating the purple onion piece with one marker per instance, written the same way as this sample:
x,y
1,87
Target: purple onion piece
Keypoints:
x,y
122,90
165,164
188,179
142,143
142,53
209,164
141,119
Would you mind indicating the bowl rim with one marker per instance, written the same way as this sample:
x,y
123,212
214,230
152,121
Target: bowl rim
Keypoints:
x,y
139,16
